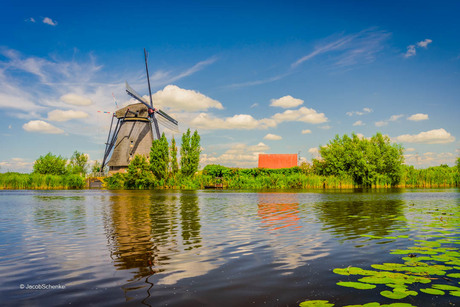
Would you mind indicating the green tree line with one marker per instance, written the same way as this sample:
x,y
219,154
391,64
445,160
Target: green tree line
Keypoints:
x,y
161,169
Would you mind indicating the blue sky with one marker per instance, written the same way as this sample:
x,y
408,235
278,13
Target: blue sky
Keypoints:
x,y
251,77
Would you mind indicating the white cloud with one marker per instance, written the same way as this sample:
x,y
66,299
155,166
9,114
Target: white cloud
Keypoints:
x,y
306,131
76,100
326,127
364,111
314,151
41,127
16,165
254,105
430,159
410,149
177,98
247,122
272,137
350,49
391,119
303,114
424,43
49,21
62,116
286,102
436,136
410,51
418,117
395,117
358,123
239,155
239,121
31,19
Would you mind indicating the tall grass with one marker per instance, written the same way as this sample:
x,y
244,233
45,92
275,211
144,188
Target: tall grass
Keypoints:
x,y
18,181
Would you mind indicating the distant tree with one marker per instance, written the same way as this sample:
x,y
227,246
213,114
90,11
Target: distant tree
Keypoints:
x,y
96,168
159,157
195,151
78,163
173,154
365,160
190,153
50,164
139,175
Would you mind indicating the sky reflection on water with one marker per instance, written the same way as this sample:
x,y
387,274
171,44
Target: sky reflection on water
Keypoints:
x,y
195,247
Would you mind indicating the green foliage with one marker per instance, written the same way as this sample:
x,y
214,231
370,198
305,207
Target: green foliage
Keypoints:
x,y
215,170
436,176
159,158
139,175
40,181
368,162
173,156
96,168
190,153
50,164
78,163
115,182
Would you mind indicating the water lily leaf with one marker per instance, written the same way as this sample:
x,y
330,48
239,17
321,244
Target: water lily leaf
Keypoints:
x,y
356,285
454,293
433,291
352,271
399,305
373,304
394,295
446,287
454,275
316,303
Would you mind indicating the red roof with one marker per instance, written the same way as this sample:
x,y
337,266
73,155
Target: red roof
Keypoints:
x,y
277,160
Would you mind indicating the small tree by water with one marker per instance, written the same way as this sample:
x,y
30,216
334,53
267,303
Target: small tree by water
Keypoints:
x,y
50,164
367,161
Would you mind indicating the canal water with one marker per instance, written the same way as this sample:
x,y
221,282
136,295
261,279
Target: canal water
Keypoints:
x,y
217,248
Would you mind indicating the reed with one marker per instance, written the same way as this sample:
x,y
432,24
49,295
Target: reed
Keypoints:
x,y
18,181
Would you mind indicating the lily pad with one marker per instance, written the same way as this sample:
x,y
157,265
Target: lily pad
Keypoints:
x,y
316,303
454,275
356,285
433,291
454,293
446,287
394,295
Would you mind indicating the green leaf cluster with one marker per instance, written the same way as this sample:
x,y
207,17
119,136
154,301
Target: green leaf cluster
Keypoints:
x,y
50,165
368,161
159,158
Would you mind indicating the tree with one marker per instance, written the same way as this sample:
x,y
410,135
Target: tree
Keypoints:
x,y
78,163
96,168
50,164
173,154
139,175
365,160
159,157
190,153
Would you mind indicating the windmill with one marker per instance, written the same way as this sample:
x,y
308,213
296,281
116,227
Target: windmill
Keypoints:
x,y
134,129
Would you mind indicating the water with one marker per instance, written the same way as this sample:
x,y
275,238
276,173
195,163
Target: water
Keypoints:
x,y
207,248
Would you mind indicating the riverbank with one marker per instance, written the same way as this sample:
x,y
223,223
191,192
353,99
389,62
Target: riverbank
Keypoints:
x,y
294,178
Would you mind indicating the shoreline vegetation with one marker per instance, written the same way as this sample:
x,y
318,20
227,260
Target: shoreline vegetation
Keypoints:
x,y
346,163
242,179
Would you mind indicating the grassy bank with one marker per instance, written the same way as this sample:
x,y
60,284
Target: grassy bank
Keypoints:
x,y
34,181
234,178
289,178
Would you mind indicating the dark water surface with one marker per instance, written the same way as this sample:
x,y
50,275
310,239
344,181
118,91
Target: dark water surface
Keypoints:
x,y
183,248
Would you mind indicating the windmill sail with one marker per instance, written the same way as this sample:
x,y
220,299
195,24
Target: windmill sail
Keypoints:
x,y
163,118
